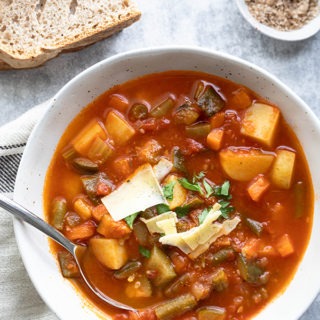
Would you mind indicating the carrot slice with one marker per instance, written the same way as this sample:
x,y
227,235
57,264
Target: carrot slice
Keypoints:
x,y
217,120
81,231
257,187
118,102
285,246
214,138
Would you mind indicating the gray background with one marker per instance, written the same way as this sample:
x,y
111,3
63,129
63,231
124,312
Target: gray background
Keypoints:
x,y
213,24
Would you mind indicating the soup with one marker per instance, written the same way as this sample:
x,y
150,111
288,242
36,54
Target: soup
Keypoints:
x,y
191,193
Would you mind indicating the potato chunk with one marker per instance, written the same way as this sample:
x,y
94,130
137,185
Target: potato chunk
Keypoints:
x,y
260,123
282,169
109,252
118,128
244,164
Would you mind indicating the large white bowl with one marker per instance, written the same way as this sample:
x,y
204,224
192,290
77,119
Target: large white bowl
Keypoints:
x,y
57,292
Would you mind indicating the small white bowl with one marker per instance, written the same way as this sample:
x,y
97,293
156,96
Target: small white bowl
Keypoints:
x,y
307,31
42,267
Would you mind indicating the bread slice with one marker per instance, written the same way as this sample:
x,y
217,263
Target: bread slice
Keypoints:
x,y
34,31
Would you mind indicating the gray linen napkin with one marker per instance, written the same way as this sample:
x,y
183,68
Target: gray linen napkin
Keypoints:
x,y
18,298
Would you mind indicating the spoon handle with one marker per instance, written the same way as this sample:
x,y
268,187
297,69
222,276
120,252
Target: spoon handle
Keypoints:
x,y
27,216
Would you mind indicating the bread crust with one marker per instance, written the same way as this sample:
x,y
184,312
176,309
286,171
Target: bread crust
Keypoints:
x,y
90,36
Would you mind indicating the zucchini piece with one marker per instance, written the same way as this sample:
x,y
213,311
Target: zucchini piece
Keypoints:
x,y
139,288
251,272
163,108
219,280
68,266
175,307
84,165
211,313
210,101
161,263
198,130
58,212
178,159
138,111
186,114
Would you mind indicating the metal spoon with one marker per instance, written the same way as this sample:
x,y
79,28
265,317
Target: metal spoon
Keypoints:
x,y
76,250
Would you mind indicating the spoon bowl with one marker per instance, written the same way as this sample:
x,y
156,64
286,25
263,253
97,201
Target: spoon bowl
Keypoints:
x,y
77,251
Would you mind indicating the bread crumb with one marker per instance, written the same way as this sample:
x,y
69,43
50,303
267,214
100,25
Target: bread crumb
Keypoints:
x,y
284,15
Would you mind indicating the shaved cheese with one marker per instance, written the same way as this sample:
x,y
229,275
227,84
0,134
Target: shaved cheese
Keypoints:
x,y
226,227
152,223
140,191
189,240
168,226
162,168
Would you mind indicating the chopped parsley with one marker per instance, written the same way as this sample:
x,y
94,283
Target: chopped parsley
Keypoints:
x,y
208,188
162,208
225,208
145,252
202,216
130,219
168,190
190,186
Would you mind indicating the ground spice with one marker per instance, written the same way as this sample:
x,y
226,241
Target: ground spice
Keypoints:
x,y
283,14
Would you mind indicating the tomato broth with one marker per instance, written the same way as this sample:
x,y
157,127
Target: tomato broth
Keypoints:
x,y
231,214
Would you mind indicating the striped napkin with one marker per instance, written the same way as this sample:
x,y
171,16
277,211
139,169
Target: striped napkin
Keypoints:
x,y
18,298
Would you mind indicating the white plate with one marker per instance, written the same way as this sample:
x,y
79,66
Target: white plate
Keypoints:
x,y
57,292
305,32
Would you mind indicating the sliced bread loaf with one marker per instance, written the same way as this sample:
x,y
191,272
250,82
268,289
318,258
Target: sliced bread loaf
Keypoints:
x,y
34,31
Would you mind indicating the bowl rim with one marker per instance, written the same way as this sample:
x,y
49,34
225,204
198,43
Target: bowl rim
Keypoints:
x,y
132,54
305,32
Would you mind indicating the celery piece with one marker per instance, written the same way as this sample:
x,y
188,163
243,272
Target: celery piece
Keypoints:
x,y
58,212
163,108
175,307
198,130
100,150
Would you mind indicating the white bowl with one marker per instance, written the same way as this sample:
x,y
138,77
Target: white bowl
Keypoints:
x,y
57,292
308,30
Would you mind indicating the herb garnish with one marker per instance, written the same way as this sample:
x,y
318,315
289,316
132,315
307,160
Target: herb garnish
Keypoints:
x,y
202,216
145,252
162,208
190,186
168,190
130,219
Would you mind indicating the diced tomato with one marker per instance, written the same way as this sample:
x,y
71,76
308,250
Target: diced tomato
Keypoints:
x,y
118,102
103,189
151,124
217,120
191,147
99,211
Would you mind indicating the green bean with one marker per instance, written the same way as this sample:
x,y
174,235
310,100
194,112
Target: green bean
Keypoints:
x,y
255,226
198,130
163,108
175,307
58,211
138,111
84,165
222,255
127,270
178,285
69,153
211,313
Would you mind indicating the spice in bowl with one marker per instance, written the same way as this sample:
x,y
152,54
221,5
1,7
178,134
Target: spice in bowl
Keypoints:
x,y
284,15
